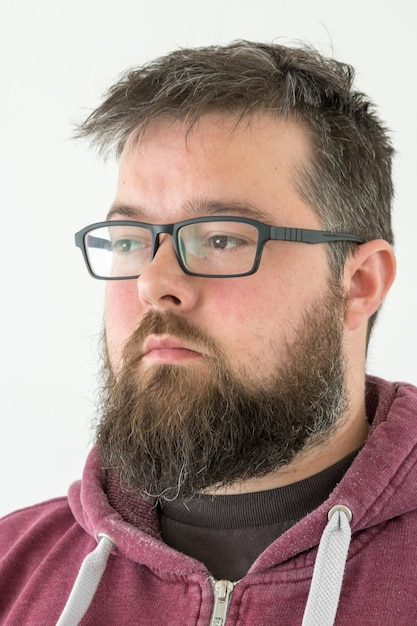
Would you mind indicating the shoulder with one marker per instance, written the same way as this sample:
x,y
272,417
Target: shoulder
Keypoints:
x,y
55,506
44,521
41,548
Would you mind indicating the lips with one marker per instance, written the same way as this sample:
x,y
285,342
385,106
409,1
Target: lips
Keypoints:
x,y
167,349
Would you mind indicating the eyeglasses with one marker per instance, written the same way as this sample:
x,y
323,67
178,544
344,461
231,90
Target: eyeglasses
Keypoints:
x,y
216,247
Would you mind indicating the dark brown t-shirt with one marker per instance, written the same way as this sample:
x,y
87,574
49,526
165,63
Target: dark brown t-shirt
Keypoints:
x,y
228,533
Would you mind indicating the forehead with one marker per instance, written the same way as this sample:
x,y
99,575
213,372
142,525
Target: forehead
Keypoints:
x,y
172,170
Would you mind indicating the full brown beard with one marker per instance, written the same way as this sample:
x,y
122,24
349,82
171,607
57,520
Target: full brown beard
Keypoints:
x,y
176,430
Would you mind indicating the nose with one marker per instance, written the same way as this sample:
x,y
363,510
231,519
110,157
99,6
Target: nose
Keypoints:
x,y
163,284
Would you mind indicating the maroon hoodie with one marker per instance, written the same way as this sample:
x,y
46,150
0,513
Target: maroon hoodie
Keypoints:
x,y
365,568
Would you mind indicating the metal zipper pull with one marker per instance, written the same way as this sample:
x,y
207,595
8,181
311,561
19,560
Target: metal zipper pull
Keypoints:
x,y
223,590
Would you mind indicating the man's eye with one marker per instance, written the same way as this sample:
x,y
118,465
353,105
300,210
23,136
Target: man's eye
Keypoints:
x,y
225,242
126,246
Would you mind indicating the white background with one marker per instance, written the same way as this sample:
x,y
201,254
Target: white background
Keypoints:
x,y
57,58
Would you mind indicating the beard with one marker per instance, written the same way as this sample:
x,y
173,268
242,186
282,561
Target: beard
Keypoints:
x,y
175,430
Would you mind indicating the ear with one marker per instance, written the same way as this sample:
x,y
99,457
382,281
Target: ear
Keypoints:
x,y
369,273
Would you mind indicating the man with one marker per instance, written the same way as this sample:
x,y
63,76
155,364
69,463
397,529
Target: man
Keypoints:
x,y
246,471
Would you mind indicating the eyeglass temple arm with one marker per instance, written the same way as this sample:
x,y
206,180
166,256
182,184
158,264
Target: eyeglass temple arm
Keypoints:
x,y
304,235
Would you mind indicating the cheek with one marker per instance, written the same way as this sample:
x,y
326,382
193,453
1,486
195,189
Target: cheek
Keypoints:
x,y
249,324
122,314
260,313
243,312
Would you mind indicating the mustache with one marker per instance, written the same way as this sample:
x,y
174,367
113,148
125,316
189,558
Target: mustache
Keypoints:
x,y
167,323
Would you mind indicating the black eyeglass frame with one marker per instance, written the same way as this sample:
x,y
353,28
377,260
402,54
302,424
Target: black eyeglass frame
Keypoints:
x,y
265,233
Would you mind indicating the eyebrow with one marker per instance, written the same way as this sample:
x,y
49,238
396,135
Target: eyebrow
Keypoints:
x,y
191,209
124,210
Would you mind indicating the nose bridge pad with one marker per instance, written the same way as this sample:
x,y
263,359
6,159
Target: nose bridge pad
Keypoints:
x,y
155,245
182,250
164,230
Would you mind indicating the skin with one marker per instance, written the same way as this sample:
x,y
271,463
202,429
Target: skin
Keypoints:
x,y
251,170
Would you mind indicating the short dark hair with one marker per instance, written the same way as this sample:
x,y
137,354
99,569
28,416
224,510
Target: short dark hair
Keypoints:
x,y
348,180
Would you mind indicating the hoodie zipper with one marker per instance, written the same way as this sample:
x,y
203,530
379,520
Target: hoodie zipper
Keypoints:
x,y
223,590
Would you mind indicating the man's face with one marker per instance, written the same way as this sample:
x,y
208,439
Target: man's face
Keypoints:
x,y
249,170
219,379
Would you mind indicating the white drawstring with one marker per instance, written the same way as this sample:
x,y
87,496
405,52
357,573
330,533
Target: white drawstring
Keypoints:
x,y
86,583
329,568
325,586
